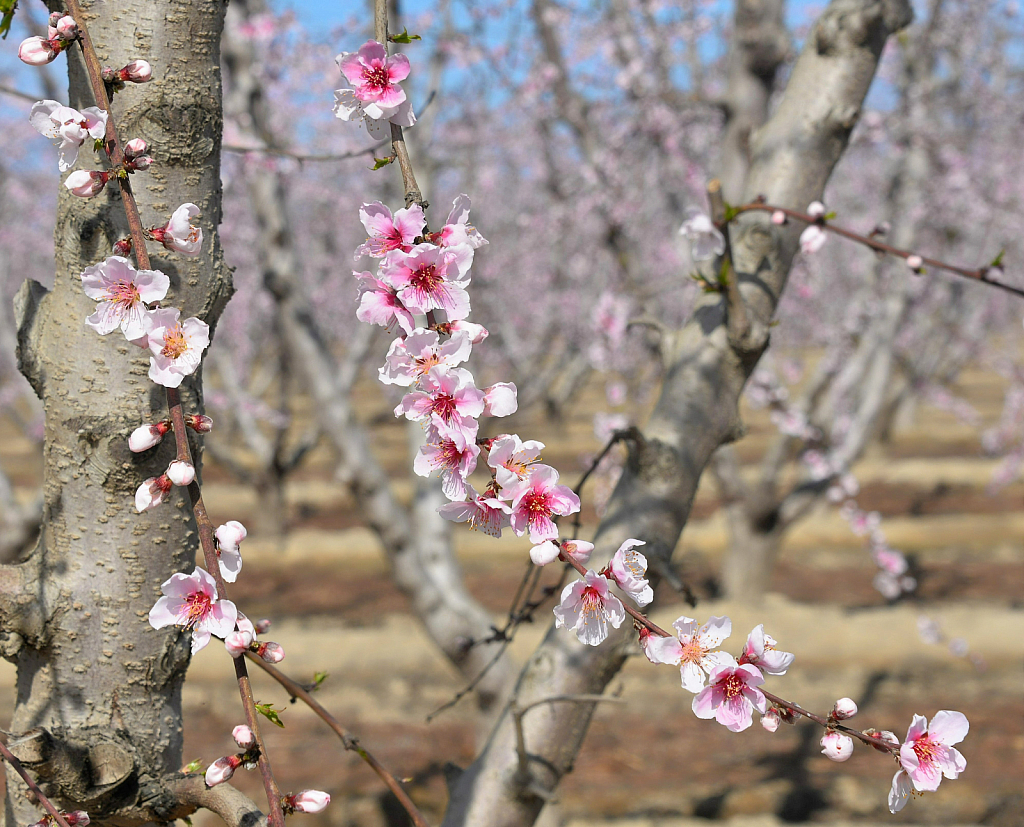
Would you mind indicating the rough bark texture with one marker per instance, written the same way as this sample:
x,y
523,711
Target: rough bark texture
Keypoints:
x,y
792,157
99,691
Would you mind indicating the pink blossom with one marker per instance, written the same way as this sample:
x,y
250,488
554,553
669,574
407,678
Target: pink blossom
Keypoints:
x,y
778,218
176,347
122,293
489,514
534,501
812,239
243,736
428,278
454,457
222,769
178,234
387,232
451,402
270,652
928,753
146,436
190,601
915,263
229,536
135,147
844,709
457,229
816,209
476,332
771,720
86,183
731,695
692,649
138,71
627,568
575,550
180,472
79,818
375,76
587,607
409,359
836,746
152,492
67,28
67,126
308,801
706,241
238,643
200,423
38,51
379,304
899,795
760,650
511,458
500,399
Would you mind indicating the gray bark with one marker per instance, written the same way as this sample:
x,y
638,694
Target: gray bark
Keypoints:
x,y
99,690
792,158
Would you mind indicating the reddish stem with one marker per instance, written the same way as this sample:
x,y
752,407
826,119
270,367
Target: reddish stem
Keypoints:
x,y
18,768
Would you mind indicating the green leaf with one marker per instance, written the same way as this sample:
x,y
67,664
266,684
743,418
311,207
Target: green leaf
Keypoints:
x,y
830,215
998,260
268,712
7,7
404,37
730,213
193,766
378,163
318,678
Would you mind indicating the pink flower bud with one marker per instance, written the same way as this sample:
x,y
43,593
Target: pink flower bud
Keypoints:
x,y
138,71
67,28
152,492
108,74
238,643
778,217
142,163
262,626
85,183
222,769
308,801
243,736
180,472
844,708
200,423
270,652
230,534
135,147
123,247
79,818
54,17
837,746
886,736
914,262
146,436
816,209
37,51
771,720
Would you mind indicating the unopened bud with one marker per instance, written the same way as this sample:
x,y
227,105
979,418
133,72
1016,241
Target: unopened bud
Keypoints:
x,y
135,147
180,472
138,71
67,28
152,492
146,436
270,652
238,643
771,720
230,535
837,746
308,801
140,164
243,736
79,818
37,51
109,75
86,183
883,735
778,217
262,626
915,263
54,17
843,709
222,769
816,209
200,423
123,247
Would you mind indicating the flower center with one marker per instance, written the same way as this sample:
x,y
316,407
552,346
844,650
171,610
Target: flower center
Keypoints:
x,y
538,507
425,363
196,607
448,455
632,564
693,651
425,278
444,407
124,293
592,602
377,77
174,342
925,749
732,686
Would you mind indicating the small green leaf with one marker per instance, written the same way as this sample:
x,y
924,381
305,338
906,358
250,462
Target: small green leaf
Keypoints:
x,y
7,7
830,215
268,712
404,37
998,260
97,144
187,820
378,163
193,766
318,678
730,213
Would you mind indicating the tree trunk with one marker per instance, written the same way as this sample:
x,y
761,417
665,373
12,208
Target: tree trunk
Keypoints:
x,y
754,545
92,673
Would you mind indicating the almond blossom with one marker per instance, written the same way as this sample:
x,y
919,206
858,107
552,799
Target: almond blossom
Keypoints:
x,y
692,649
450,402
429,278
410,358
379,303
177,347
760,650
706,241
86,183
511,458
486,513
476,332
375,95
68,126
178,234
501,399
534,501
578,551
243,736
122,293
731,695
147,436
152,492
190,601
457,229
836,746
222,769
389,232
454,457
899,795
587,607
627,568
229,536
307,801
928,753
181,473
813,237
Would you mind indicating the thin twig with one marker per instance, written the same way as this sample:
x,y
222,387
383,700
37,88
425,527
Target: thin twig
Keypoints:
x,y
737,321
350,741
112,144
18,768
980,274
632,433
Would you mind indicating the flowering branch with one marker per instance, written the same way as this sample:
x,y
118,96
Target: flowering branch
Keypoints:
x,y
115,152
350,741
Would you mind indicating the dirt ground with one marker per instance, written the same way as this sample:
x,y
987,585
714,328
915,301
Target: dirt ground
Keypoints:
x,y
647,761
